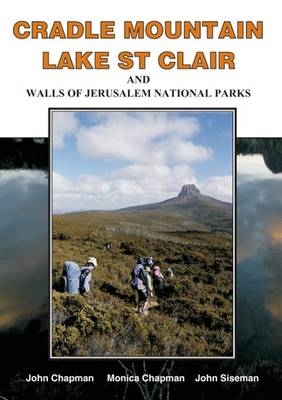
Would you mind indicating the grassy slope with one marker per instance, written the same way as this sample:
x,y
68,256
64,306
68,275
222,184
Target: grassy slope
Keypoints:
x,y
193,319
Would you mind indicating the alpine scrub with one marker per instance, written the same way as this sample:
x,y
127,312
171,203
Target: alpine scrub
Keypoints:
x,y
192,316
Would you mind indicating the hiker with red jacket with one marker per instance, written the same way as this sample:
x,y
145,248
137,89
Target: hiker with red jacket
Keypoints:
x,y
139,283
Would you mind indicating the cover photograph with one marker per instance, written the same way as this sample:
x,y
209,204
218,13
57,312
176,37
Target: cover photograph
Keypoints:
x,y
141,201
142,259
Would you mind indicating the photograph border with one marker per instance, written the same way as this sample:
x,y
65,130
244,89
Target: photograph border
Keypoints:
x,y
233,110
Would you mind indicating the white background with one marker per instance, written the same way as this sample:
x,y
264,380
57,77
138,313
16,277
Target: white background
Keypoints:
x,y
258,62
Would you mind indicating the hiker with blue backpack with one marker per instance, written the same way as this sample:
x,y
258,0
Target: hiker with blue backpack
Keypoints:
x,y
139,283
77,280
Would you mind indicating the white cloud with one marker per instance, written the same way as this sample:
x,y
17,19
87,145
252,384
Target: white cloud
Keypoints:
x,y
142,137
132,185
218,186
156,178
90,184
64,123
83,193
177,151
61,184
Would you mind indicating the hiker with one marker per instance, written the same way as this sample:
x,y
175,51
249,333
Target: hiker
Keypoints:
x,y
141,261
139,283
149,281
77,280
158,284
149,262
86,275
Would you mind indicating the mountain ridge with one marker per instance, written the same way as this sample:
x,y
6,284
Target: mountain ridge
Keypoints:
x,y
188,195
190,210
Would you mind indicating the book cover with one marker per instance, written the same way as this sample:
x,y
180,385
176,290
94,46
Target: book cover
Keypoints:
x,y
140,176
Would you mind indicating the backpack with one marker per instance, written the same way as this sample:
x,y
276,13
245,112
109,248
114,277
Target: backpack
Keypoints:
x,y
71,274
135,275
63,284
158,283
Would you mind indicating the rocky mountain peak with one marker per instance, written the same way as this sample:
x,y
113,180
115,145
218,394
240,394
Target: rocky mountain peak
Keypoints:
x,y
189,190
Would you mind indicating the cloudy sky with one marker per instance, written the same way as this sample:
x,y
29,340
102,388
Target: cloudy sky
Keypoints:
x,y
23,246
109,160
